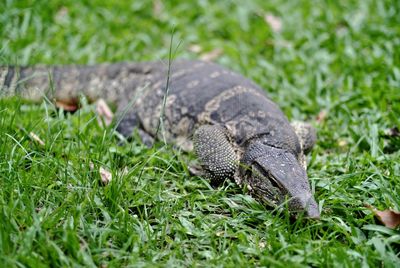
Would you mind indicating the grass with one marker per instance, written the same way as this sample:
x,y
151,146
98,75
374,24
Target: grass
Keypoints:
x,y
339,57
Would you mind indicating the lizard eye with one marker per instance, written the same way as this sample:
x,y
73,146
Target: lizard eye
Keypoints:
x,y
264,141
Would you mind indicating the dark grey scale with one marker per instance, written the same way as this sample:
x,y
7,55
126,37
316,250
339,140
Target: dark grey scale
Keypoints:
x,y
216,153
235,108
273,125
9,76
269,147
207,88
128,124
199,95
188,103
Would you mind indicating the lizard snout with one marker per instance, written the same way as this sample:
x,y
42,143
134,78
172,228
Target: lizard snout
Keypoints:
x,y
307,204
277,176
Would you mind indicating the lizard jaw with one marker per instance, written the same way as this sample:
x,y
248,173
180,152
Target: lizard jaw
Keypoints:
x,y
276,176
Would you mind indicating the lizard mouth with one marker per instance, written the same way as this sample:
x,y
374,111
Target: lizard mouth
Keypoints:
x,y
264,186
276,178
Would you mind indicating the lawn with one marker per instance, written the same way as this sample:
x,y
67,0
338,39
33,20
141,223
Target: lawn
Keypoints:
x,y
335,64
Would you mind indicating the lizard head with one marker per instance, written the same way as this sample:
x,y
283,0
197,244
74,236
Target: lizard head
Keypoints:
x,y
275,176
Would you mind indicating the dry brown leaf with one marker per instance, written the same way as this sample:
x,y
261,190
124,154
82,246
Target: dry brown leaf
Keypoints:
x,y
321,116
211,55
278,43
61,14
104,112
157,8
262,244
392,132
342,143
105,175
36,138
220,233
274,22
387,217
195,48
67,106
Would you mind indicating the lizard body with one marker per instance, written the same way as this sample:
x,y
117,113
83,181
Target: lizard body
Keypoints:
x,y
236,131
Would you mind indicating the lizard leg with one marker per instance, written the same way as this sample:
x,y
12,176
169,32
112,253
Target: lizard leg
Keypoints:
x,y
307,135
215,151
129,123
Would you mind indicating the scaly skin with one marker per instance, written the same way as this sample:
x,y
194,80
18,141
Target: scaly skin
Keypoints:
x,y
238,132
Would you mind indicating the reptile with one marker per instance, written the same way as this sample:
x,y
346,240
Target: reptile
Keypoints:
x,y
235,130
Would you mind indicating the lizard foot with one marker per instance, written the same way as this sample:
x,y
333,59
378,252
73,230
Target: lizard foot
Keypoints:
x,y
307,135
215,151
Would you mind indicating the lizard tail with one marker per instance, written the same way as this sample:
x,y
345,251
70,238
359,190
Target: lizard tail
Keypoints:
x,y
36,82
67,83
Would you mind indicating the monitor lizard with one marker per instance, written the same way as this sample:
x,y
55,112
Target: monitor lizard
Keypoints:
x,y
235,130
